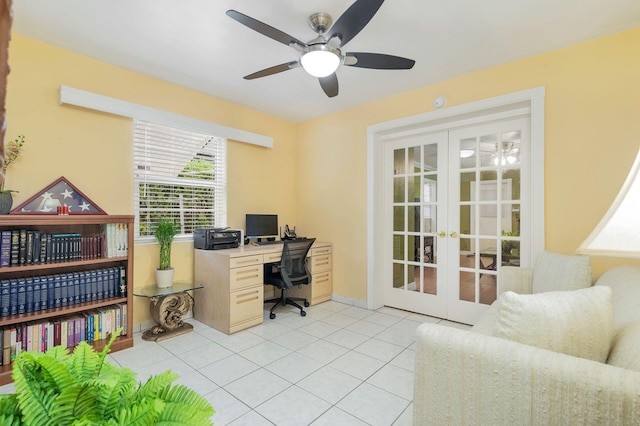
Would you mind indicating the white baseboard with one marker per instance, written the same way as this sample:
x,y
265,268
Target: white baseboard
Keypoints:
x,y
349,301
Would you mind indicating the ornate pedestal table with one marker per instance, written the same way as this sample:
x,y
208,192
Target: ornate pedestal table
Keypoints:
x,y
167,307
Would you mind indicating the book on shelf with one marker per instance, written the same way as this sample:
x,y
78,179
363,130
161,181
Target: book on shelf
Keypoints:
x,y
21,247
5,248
67,331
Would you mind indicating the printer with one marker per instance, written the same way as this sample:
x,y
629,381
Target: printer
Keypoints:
x,y
216,238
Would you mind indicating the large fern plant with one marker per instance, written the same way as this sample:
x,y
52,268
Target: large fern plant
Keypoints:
x,y
82,388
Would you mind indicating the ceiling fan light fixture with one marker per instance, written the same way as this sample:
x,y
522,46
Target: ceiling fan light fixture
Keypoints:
x,y
320,60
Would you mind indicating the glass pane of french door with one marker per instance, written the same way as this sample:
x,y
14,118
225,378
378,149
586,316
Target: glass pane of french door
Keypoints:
x,y
417,168
486,190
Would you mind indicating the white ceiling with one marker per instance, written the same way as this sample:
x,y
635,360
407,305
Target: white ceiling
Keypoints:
x,y
193,43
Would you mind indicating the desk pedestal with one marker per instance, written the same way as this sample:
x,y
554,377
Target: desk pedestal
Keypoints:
x,y
167,312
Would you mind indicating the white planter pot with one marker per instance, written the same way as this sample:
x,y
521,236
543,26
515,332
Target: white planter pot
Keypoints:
x,y
164,278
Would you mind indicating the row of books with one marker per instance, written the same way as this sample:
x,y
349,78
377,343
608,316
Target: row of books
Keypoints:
x,y
20,247
32,294
89,326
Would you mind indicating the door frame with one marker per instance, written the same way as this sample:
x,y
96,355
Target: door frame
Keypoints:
x,y
526,102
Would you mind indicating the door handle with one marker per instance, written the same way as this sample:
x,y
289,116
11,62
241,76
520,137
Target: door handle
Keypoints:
x,y
453,234
442,234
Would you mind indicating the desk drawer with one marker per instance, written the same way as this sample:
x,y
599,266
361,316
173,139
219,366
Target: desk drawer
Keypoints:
x,y
245,305
245,277
321,287
317,251
320,263
273,257
237,262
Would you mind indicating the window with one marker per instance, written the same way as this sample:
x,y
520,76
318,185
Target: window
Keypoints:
x,y
178,174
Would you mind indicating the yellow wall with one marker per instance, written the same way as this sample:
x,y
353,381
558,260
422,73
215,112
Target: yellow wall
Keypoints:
x,y
591,138
93,150
592,135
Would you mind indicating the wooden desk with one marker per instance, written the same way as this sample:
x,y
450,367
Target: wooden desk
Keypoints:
x,y
233,293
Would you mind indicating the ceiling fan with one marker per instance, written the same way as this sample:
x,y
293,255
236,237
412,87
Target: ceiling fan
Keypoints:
x,y
322,56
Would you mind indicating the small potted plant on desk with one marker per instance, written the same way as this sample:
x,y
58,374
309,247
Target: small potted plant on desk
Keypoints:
x,y
164,233
12,151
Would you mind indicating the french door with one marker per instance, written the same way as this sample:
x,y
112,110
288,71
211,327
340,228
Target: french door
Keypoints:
x,y
453,206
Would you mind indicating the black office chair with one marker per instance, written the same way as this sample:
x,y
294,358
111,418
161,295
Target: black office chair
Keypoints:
x,y
292,270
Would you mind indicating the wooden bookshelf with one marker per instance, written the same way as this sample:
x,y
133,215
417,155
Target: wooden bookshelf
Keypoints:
x,y
84,225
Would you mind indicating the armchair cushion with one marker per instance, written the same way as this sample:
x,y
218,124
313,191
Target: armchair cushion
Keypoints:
x,y
554,271
578,323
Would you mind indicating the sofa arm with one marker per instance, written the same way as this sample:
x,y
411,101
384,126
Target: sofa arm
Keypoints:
x,y
516,279
464,378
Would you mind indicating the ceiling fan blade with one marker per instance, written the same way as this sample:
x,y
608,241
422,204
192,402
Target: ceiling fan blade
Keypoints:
x,y
353,20
330,85
265,29
377,61
273,70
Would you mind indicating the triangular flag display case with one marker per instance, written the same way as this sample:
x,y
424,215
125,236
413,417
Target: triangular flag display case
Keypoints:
x,y
61,192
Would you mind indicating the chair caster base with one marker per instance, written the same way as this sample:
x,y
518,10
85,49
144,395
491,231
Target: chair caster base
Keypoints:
x,y
272,315
303,314
306,304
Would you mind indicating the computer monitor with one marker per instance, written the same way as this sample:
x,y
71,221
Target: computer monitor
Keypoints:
x,y
262,226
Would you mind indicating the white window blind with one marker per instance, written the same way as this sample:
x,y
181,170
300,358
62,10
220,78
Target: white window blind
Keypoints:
x,y
178,174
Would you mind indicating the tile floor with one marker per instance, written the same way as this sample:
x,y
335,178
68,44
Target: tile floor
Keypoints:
x,y
339,365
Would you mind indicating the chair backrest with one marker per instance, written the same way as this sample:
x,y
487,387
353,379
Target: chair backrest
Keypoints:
x,y
293,265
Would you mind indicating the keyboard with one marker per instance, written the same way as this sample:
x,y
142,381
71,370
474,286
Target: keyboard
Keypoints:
x,y
267,243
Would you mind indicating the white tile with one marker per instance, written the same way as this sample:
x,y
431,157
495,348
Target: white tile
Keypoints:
x,y
251,419
329,384
357,365
346,338
406,359
280,409
323,351
318,313
205,355
394,379
228,369
294,367
8,388
257,387
184,343
265,353
197,382
337,417
402,333
294,340
373,405
333,306
239,341
174,364
366,328
382,319
293,320
355,312
406,418
319,329
393,312
269,330
379,349
339,320
197,325
227,407
141,355
423,318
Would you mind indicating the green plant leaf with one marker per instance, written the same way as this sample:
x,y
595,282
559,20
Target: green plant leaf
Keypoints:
x,y
184,396
83,362
74,402
142,414
156,384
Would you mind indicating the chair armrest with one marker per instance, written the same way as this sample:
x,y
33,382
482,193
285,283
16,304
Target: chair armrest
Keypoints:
x,y
516,279
464,378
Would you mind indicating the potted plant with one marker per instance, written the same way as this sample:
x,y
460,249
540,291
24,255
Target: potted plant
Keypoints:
x,y
83,388
165,231
12,150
